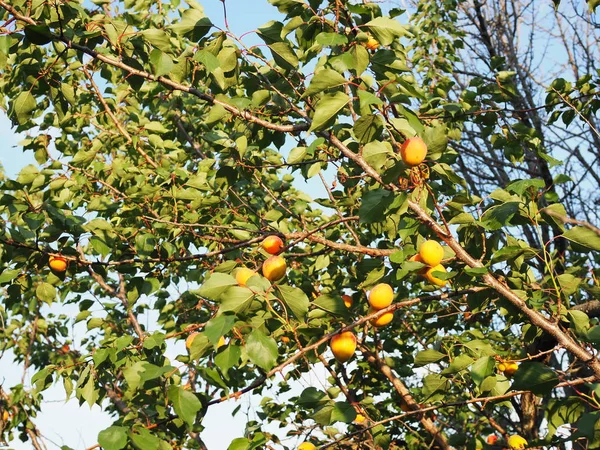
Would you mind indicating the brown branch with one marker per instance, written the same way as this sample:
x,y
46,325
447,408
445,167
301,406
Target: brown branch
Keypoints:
x,y
118,124
402,390
188,138
565,219
120,294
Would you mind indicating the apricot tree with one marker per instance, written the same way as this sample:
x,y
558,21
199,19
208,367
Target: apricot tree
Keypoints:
x,y
168,149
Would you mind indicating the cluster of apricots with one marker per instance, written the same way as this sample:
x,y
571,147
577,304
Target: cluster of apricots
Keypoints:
x,y
273,269
515,442
508,368
343,345
431,253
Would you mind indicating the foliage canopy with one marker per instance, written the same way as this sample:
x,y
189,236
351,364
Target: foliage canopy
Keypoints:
x,y
168,149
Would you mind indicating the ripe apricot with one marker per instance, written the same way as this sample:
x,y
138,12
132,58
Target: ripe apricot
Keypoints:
x,y
413,151
306,446
492,439
359,418
372,44
274,268
516,442
434,280
5,416
510,367
382,320
416,258
272,244
343,346
381,296
431,252
189,340
243,274
347,300
57,263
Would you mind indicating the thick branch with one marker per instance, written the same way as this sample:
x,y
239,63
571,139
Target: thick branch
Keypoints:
x,y
406,396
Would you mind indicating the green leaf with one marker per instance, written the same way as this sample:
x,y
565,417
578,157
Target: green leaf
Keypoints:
x,y
199,347
262,350
427,357
386,30
361,58
295,299
584,237
9,275
45,292
579,321
237,299
331,39
113,438
562,411
162,64
193,24
331,304
373,204
376,153
482,368
437,140
228,358
433,384
284,55
324,79
215,285
342,412
480,348
458,364
569,284
327,109
23,106
89,392
296,155
535,377
159,38
218,327
520,186
499,216
143,439
207,59
185,404
38,34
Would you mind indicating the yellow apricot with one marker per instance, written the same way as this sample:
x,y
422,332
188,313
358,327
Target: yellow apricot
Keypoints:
x,y
343,346
274,268
272,244
306,446
347,300
516,442
382,320
57,263
381,296
434,280
243,274
413,151
431,253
